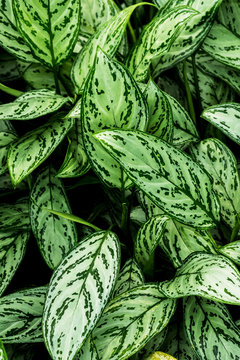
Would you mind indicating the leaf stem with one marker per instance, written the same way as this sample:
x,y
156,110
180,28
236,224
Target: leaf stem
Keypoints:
x,y
188,92
132,32
10,91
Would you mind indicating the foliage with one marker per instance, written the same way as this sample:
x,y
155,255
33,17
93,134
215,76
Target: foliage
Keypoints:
x,y
119,180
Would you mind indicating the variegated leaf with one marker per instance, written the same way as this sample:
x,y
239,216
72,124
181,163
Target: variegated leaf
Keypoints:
x,y
153,345
87,274
21,316
13,246
56,236
8,67
221,164
211,276
160,121
10,39
32,105
94,13
148,238
130,321
184,129
49,28
27,153
129,277
232,251
169,177
156,39
108,38
6,125
3,354
225,117
6,138
159,355
210,329
180,240
223,45
122,107
138,215
227,15
15,216
76,161
191,36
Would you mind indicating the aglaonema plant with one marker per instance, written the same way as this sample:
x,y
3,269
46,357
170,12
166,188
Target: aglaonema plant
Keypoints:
x,y
119,180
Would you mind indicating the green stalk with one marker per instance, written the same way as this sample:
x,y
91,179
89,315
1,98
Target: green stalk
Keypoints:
x,y
188,92
10,91
132,32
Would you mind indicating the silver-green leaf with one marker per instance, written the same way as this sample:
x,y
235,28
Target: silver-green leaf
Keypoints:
x,y
232,251
6,138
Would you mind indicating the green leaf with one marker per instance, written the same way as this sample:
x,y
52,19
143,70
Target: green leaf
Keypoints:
x,y
88,273
123,107
154,344
232,251
129,277
8,67
179,241
76,161
148,238
156,39
160,121
221,164
210,329
211,276
225,117
108,38
13,246
32,105
55,236
27,153
6,138
21,316
223,45
49,28
227,15
10,39
191,36
171,179
15,216
130,321
3,354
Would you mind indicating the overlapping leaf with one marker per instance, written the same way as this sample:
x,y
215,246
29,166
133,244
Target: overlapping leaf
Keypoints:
x,y
225,117
232,251
156,39
153,345
221,164
6,138
108,38
211,276
31,105
3,354
50,28
15,216
122,107
210,329
227,15
27,153
21,316
78,292
55,236
130,321
167,176
159,355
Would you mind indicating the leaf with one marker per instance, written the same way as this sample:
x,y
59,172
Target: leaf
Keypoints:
x,y
211,276
156,39
15,216
225,117
188,38
49,28
169,178
32,105
153,345
123,107
108,38
160,121
8,67
76,161
210,329
158,355
6,138
225,15
21,315
13,246
27,153
129,277
10,39
232,251
55,236
223,45
221,164
130,321
148,238
88,273
3,354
